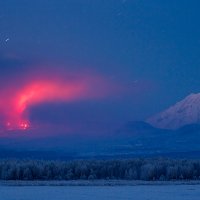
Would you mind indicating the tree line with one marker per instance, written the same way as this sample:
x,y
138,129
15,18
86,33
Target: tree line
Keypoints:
x,y
130,169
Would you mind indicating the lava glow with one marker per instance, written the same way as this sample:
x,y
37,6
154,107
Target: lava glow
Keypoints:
x,y
14,104
24,125
48,91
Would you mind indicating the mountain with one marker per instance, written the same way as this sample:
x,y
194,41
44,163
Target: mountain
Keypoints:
x,y
172,133
134,139
189,129
182,113
133,128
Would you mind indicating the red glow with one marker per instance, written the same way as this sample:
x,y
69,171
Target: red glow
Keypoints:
x,y
24,125
48,91
36,91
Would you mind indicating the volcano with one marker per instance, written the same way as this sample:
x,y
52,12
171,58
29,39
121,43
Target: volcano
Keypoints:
x,y
181,114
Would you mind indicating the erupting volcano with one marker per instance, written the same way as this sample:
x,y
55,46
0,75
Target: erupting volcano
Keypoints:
x,y
15,103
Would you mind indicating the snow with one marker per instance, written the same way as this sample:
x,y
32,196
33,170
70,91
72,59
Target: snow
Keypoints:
x,y
101,182
140,192
182,113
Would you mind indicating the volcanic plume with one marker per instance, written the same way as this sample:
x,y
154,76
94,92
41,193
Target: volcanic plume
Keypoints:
x,y
16,98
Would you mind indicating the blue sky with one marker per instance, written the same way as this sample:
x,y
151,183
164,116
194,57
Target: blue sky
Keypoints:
x,y
151,47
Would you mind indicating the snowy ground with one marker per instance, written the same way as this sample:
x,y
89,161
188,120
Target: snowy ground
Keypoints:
x,y
140,192
96,183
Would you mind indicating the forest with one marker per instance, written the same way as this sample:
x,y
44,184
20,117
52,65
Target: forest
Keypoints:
x,y
122,169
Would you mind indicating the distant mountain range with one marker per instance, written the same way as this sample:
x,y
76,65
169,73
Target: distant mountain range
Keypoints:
x,y
172,133
134,139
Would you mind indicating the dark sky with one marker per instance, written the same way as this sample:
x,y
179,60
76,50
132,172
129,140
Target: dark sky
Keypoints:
x,y
148,50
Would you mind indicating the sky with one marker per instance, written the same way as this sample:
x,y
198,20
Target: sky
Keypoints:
x,y
95,65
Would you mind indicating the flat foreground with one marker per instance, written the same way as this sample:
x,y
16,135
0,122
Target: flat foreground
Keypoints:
x,y
140,192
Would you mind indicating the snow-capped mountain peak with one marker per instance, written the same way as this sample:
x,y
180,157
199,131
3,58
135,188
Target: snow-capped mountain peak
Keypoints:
x,y
182,113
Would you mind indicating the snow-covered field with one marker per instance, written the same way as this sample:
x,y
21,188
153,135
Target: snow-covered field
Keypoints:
x,y
140,192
